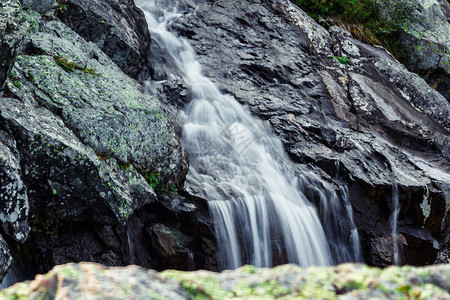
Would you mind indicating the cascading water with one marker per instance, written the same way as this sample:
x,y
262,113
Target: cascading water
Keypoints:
x,y
336,214
9,279
397,246
237,164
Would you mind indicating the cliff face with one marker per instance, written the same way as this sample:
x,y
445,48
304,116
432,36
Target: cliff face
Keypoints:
x,y
92,168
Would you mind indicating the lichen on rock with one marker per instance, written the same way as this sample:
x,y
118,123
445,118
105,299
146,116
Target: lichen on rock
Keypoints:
x,y
348,281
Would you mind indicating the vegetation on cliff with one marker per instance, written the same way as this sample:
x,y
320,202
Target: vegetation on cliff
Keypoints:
x,y
364,19
416,32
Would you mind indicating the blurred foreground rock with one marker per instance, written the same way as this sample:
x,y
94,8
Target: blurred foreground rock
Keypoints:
x,y
347,281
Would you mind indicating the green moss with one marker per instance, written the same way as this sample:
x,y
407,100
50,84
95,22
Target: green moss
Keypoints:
x,y
19,291
124,166
316,292
270,288
155,296
361,279
160,188
248,269
69,272
199,287
423,273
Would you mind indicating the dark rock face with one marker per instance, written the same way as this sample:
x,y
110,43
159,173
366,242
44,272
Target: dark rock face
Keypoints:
x,y
13,28
370,121
14,208
118,28
46,7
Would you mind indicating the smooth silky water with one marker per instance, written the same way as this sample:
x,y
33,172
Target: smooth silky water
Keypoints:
x,y
396,241
257,201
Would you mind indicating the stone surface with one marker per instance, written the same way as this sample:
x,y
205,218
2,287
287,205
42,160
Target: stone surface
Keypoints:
x,y
47,7
82,152
13,28
347,281
425,40
369,124
14,207
5,258
118,28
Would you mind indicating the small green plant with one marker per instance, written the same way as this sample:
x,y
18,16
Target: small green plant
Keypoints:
x,y
62,7
124,166
65,64
160,188
70,66
167,189
17,83
342,59
91,71
152,179
364,20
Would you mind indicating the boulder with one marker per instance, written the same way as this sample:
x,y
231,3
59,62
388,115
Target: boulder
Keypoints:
x,y
118,28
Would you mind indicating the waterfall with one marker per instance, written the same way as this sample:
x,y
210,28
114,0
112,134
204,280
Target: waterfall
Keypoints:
x,y
255,196
9,279
396,241
13,276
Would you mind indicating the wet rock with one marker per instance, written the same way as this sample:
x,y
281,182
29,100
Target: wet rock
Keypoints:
x,y
172,243
348,281
118,28
175,232
13,28
367,120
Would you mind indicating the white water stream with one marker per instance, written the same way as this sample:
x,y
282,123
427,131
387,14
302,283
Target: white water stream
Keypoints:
x,y
240,167
396,241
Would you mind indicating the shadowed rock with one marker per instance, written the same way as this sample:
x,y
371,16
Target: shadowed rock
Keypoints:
x,y
118,28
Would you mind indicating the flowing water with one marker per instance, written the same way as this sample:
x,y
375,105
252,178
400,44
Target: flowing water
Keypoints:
x,y
256,198
9,279
396,241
